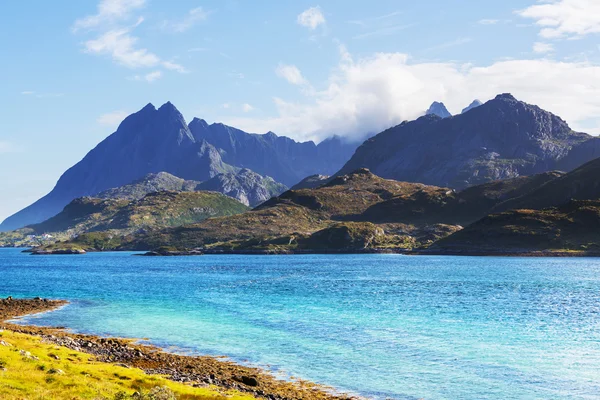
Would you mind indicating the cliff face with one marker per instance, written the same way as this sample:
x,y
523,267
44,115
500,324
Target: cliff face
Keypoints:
x,y
503,138
246,186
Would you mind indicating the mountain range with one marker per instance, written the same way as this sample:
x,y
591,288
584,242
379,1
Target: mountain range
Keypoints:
x,y
503,138
159,140
426,179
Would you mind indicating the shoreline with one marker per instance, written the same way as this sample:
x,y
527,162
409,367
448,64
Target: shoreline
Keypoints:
x,y
197,371
417,252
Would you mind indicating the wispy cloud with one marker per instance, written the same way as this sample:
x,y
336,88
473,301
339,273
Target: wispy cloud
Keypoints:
x,y
447,45
193,17
113,36
311,18
384,31
172,66
247,108
112,119
108,12
488,21
542,48
149,77
120,45
565,18
367,21
41,95
290,73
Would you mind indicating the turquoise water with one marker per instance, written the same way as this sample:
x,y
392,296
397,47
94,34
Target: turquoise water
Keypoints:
x,y
378,325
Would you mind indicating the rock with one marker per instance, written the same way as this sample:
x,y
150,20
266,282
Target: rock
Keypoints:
x,y
249,381
246,186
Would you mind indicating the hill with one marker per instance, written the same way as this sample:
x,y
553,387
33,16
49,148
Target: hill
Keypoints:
x,y
503,138
355,212
579,184
119,217
567,229
560,214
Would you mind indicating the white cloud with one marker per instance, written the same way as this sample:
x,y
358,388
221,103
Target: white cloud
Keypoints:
x,y
226,106
175,67
371,94
488,21
120,45
565,18
109,11
149,77
311,18
41,95
542,48
192,18
247,108
114,39
112,119
152,76
290,73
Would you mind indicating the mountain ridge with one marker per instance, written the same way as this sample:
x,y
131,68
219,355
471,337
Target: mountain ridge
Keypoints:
x,y
159,140
503,138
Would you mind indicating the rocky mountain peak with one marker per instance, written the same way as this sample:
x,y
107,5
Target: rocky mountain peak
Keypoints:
x,y
439,109
476,103
505,96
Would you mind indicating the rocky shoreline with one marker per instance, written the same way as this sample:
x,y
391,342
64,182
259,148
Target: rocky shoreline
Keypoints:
x,y
199,371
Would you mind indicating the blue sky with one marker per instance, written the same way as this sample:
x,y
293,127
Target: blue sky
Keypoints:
x,y
308,69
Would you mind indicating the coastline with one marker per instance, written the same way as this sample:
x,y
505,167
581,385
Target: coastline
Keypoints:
x,y
196,371
399,251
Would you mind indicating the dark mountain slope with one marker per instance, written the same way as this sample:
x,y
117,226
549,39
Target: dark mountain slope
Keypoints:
x,y
574,226
149,141
152,141
282,158
504,138
582,183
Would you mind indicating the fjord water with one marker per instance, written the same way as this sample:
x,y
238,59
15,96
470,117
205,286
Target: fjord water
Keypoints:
x,y
377,325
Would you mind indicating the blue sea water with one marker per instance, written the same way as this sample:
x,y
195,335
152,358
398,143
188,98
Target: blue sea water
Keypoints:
x,y
383,326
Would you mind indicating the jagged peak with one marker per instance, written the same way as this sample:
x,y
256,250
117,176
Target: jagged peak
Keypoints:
x,y
505,96
197,120
148,106
168,106
474,104
439,109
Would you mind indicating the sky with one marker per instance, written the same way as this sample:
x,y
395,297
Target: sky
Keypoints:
x,y
72,70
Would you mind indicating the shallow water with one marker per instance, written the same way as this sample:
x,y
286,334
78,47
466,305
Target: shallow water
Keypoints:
x,y
379,325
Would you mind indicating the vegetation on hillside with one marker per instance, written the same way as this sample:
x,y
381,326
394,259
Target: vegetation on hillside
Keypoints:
x,y
117,218
33,369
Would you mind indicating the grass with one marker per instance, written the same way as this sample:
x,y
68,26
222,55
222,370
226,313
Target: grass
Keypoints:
x,y
33,370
